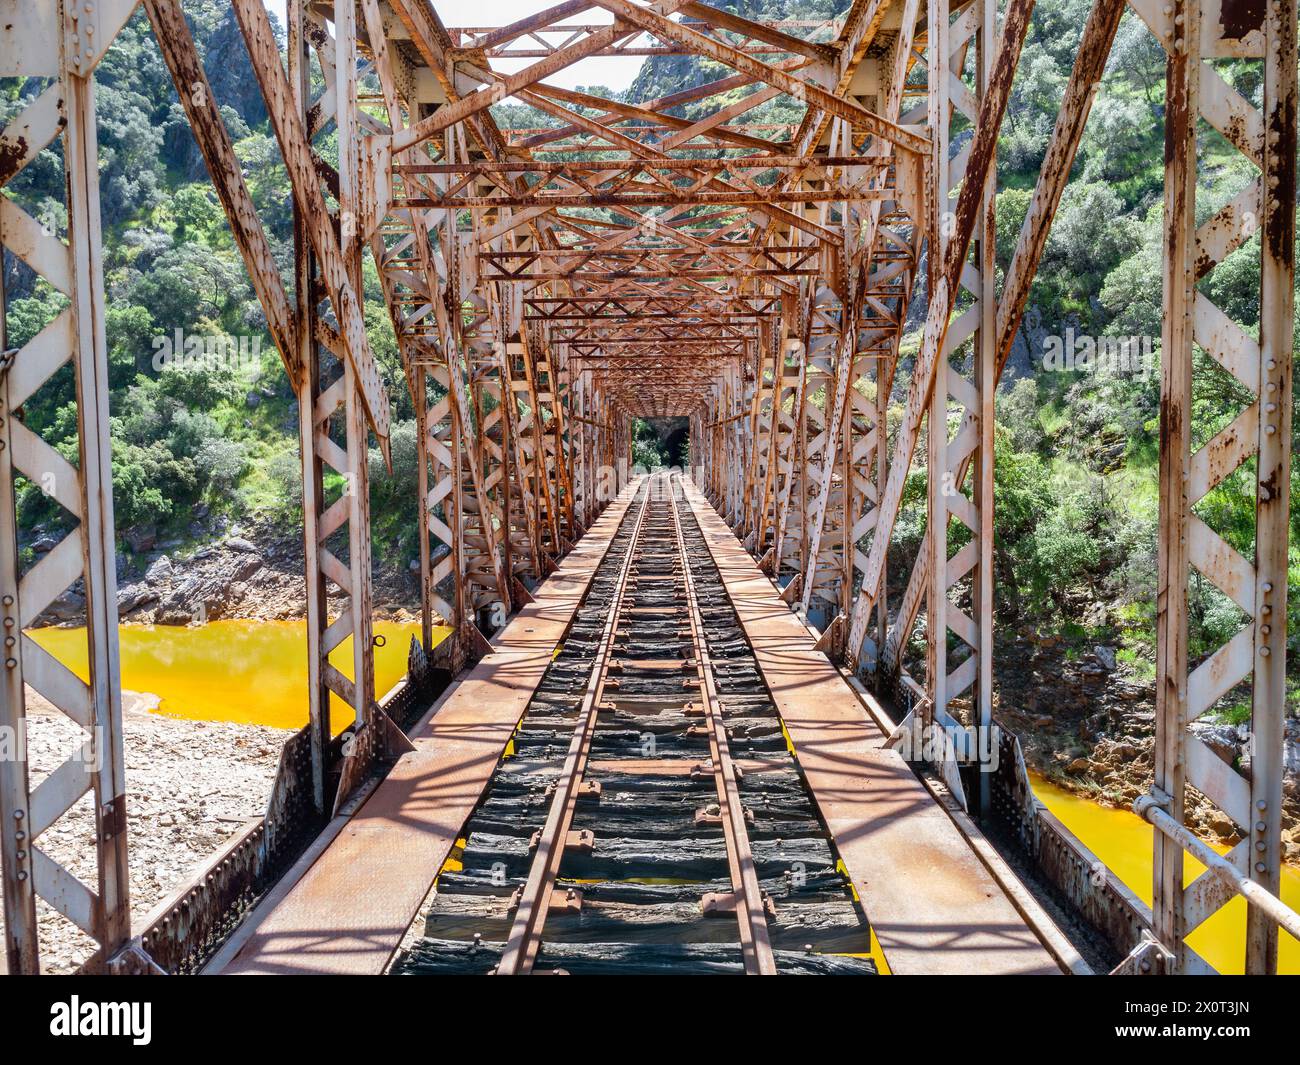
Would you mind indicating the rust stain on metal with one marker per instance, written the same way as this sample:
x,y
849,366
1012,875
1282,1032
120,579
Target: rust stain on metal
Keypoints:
x,y
1240,18
1279,219
12,154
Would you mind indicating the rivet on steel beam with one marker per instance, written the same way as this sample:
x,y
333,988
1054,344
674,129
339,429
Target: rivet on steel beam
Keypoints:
x,y
8,600
18,815
1261,805
1260,826
1264,651
1260,867
1261,846
10,663
22,874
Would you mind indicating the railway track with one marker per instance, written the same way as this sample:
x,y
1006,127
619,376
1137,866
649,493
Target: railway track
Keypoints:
x,y
648,815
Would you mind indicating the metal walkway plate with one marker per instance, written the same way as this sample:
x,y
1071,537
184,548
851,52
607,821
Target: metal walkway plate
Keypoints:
x,y
357,894
932,903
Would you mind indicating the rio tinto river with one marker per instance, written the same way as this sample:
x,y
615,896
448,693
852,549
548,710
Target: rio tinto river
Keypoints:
x,y
253,672
1123,841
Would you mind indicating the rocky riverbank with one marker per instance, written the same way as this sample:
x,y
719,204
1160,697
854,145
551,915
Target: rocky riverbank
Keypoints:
x,y
1088,725
254,573
190,786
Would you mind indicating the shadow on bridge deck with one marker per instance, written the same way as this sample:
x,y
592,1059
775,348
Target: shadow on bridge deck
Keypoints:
x,y
932,902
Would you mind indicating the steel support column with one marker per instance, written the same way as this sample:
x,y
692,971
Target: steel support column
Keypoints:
x,y
1261,431
964,387
87,552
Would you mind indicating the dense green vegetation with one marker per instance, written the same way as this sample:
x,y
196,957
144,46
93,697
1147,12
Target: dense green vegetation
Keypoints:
x,y
647,452
212,435
1076,469
1077,452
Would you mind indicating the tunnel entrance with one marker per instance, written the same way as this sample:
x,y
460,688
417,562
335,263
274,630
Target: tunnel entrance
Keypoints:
x,y
674,437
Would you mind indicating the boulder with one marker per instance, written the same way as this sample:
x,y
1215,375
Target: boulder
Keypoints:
x,y
1221,824
182,601
160,572
70,607
133,596
142,537
245,568
1105,657
238,543
172,614
1221,739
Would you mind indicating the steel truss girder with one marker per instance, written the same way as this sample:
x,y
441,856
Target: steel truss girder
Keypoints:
x,y
968,394
96,768
1262,432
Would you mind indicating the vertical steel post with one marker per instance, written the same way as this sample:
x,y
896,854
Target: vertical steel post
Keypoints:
x,y
1181,103
1273,471
307,297
87,552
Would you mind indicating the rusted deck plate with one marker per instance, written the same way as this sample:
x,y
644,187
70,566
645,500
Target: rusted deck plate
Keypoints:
x,y
932,903
348,912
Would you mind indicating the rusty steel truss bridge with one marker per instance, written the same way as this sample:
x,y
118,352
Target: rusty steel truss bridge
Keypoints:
x,y
547,286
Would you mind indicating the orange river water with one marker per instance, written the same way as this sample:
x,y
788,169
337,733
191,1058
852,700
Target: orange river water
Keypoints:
x,y
1123,841
254,672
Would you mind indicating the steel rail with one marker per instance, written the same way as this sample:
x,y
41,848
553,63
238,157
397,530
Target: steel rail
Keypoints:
x,y
524,941
755,938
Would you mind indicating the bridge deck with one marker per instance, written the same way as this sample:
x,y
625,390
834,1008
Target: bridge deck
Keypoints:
x,y
933,905
345,909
